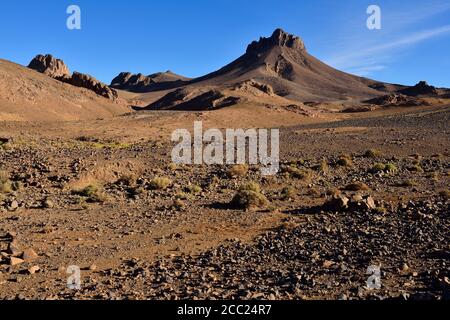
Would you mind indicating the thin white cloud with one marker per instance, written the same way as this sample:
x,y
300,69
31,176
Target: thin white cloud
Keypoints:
x,y
358,58
366,70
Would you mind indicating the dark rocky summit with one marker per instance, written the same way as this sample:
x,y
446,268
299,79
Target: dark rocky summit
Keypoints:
x,y
279,38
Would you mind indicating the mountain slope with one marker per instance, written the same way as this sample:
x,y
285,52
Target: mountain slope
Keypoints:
x,y
283,63
27,95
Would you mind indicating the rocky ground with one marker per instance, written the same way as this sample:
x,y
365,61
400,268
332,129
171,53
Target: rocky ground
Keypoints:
x,y
370,190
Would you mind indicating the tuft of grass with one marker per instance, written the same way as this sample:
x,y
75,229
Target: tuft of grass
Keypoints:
x,y
288,193
194,189
391,168
357,186
238,170
373,153
127,180
5,184
160,183
313,192
322,166
445,194
178,204
345,160
301,174
434,176
92,193
4,144
251,186
378,167
249,196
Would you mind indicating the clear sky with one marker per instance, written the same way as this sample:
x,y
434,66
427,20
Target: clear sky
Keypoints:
x,y
195,37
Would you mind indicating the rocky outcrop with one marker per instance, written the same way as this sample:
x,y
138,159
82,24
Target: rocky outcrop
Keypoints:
x,y
420,89
89,82
396,100
57,69
50,66
254,87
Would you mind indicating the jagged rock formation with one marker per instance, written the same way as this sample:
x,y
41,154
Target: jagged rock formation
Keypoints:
x,y
58,70
49,66
89,82
396,100
154,82
255,88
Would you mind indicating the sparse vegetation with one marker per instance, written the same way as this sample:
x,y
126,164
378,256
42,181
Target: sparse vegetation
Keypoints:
x,y
305,175
313,192
345,160
238,170
381,167
445,194
378,167
160,183
287,193
194,189
322,166
92,193
5,183
249,196
357,186
373,153
391,168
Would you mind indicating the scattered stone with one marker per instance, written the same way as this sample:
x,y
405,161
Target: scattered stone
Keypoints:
x,y
13,261
33,269
29,255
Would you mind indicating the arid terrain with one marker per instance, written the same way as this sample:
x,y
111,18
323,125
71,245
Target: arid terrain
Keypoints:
x,y
86,179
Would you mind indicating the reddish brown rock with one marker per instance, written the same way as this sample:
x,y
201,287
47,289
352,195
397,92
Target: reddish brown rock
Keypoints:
x,y
89,82
50,66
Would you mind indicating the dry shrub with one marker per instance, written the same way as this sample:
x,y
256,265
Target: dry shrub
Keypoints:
x,y
357,186
373,153
160,183
5,183
238,170
345,160
249,196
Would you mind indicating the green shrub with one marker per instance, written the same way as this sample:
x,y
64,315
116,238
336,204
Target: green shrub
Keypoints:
x,y
160,183
249,196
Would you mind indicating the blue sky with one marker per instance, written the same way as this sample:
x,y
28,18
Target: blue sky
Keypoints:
x,y
196,37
